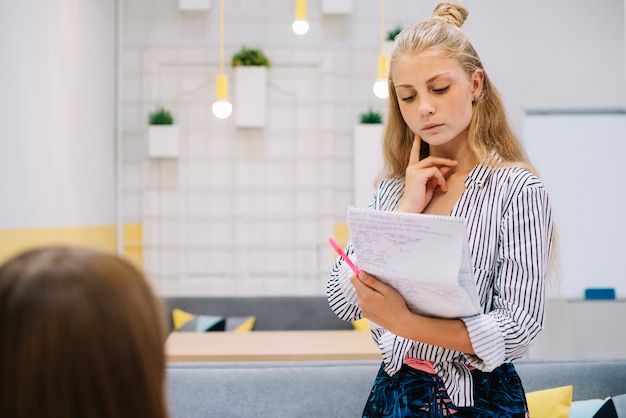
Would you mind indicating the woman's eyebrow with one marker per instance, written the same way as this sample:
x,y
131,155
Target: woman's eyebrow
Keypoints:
x,y
430,80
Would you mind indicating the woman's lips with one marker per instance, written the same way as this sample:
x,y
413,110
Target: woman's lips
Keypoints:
x,y
431,126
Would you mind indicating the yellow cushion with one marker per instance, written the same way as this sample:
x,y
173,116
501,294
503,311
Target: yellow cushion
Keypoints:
x,y
361,324
180,318
553,403
240,324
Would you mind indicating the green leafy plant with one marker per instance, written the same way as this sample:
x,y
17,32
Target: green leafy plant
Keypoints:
x,y
250,57
391,34
371,117
161,116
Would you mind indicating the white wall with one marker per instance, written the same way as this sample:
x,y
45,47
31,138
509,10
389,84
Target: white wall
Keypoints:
x,y
581,329
248,211
245,211
57,112
547,54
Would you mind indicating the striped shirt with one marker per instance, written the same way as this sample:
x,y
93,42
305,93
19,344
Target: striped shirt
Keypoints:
x,y
509,227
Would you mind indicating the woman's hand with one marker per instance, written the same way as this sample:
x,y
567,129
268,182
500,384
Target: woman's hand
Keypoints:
x,y
383,305
422,179
380,302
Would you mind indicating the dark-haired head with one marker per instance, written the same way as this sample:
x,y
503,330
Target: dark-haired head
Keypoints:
x,y
82,336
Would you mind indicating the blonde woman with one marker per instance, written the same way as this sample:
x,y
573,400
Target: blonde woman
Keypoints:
x,y
449,151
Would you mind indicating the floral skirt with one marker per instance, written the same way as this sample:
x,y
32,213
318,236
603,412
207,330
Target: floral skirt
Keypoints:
x,y
412,393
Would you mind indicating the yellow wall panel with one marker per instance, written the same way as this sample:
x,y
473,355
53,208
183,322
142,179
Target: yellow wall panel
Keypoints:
x,y
342,235
14,241
133,244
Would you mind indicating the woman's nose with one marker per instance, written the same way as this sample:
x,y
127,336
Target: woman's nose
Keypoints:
x,y
426,107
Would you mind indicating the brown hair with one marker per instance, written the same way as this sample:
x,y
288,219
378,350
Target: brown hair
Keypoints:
x,y
82,336
489,129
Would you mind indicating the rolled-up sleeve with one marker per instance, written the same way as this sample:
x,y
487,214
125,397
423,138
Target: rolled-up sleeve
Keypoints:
x,y
506,331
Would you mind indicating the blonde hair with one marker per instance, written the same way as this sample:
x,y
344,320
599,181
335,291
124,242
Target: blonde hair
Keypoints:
x,y
489,130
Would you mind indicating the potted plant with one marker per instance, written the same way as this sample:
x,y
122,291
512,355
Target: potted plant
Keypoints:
x,y
391,34
367,154
163,137
250,98
250,57
371,117
160,116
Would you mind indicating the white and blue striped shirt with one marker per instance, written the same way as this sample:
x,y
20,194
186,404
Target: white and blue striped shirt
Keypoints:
x,y
509,225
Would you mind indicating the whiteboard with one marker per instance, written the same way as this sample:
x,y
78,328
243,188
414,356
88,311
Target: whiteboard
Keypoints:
x,y
580,157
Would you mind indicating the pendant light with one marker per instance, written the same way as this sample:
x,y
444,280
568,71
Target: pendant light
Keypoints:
x,y
381,87
300,25
222,108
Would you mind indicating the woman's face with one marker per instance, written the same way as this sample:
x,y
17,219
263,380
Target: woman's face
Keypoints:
x,y
435,96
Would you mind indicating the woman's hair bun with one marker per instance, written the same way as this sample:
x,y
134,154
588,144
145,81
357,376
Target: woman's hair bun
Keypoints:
x,y
452,13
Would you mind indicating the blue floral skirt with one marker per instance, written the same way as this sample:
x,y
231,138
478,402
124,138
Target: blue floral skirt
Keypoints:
x,y
413,393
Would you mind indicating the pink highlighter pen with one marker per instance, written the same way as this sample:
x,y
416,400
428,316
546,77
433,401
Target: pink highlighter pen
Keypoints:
x,y
344,256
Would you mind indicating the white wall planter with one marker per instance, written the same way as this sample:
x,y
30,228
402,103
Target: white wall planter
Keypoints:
x,y
368,161
163,141
194,5
250,101
336,7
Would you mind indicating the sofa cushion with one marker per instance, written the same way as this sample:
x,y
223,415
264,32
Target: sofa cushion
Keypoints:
x,y
613,407
553,402
189,322
585,409
184,321
362,324
240,323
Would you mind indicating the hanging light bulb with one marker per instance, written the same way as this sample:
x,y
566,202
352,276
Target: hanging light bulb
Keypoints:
x,y
300,25
381,89
222,108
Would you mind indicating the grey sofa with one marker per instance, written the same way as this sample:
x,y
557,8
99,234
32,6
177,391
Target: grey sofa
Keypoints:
x,y
339,389
273,313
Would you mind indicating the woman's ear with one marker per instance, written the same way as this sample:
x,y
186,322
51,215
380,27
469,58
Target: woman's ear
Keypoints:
x,y
478,78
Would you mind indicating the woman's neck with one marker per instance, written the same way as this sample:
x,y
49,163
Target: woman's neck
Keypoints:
x,y
466,159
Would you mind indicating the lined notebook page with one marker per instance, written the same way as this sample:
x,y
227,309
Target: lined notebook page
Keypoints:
x,y
424,257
